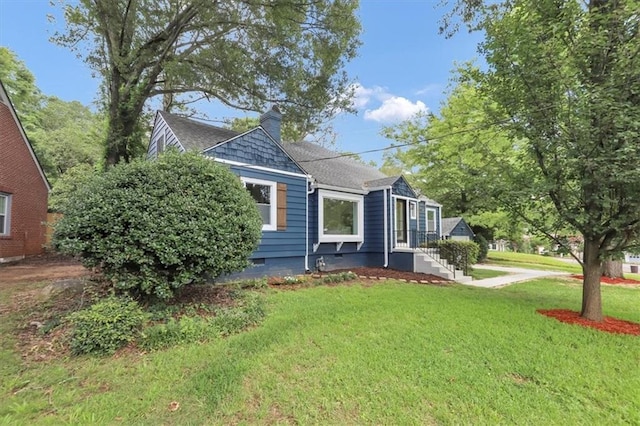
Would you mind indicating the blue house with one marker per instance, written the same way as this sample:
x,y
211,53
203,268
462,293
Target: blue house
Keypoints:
x,y
320,209
456,228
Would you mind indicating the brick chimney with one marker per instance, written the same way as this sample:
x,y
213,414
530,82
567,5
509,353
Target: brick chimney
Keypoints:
x,y
271,122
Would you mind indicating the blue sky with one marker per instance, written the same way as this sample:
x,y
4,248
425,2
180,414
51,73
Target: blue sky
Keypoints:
x,y
403,67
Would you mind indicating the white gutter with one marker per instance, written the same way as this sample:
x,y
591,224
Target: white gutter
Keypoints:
x,y
392,210
386,236
342,189
306,230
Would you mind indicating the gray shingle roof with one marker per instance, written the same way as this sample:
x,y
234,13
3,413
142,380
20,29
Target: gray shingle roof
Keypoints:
x,y
326,169
195,135
325,166
385,181
448,223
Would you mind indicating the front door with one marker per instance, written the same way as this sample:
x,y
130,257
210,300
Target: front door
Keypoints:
x,y
401,222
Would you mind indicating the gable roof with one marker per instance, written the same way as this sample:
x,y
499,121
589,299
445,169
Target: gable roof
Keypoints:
x,y
331,168
195,135
4,97
327,167
449,224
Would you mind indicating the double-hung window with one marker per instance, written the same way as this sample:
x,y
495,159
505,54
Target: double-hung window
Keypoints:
x,y
431,220
265,195
5,213
340,217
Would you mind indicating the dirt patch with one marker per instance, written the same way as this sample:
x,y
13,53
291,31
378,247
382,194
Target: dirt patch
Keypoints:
x,y
46,267
613,281
608,324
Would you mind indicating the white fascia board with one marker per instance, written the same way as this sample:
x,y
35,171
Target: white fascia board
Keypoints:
x,y
261,168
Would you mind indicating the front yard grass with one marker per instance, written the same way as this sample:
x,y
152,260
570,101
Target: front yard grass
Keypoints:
x,y
390,353
481,274
531,261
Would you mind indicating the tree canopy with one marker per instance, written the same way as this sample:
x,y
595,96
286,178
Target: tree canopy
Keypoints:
x,y
63,134
567,74
242,53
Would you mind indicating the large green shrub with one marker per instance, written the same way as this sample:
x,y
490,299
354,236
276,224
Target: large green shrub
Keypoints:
x,y
156,226
106,326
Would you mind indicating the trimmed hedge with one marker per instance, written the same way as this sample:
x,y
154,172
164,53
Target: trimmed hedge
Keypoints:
x,y
462,254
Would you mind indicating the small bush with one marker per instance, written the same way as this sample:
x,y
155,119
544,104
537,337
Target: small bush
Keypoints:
x,y
483,247
462,254
190,329
233,320
153,227
106,326
175,332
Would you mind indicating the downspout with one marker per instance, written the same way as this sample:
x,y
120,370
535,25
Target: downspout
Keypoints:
x,y
386,235
439,210
310,191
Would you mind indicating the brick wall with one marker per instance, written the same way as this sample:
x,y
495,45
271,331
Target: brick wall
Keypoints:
x,y
19,177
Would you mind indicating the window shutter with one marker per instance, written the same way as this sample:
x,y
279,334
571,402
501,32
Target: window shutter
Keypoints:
x,y
282,206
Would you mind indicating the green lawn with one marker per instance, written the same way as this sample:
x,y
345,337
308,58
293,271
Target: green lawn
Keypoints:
x,y
531,261
389,353
481,274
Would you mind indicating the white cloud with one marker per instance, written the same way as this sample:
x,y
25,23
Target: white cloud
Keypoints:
x,y
362,96
430,89
395,108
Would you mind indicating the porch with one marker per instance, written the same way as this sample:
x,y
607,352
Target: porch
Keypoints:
x,y
419,251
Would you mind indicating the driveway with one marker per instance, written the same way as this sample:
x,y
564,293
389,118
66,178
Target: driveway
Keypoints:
x,y
516,275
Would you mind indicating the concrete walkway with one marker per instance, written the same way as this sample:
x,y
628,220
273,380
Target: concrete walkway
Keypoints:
x,y
516,275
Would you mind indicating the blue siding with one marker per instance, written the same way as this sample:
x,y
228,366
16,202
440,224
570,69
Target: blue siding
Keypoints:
x,y
374,222
462,230
255,148
401,187
402,261
273,267
371,252
422,218
347,260
291,242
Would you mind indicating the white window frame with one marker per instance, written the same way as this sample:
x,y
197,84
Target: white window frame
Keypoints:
x,y
435,219
6,215
413,210
273,201
333,238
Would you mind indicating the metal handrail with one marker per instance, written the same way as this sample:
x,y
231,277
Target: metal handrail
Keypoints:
x,y
427,242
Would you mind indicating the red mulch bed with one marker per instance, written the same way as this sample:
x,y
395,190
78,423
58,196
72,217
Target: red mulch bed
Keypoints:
x,y
608,324
607,280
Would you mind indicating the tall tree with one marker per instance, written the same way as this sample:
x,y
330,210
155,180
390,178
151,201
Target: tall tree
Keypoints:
x,y
458,158
243,53
567,73
67,134
63,134
21,85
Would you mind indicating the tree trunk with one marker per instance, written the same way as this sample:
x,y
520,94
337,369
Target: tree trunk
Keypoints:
x,y
591,297
612,269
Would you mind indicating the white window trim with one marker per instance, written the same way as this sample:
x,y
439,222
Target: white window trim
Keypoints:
x,y
426,219
7,215
413,210
332,238
273,201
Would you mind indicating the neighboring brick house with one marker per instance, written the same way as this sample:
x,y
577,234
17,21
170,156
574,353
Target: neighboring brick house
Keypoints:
x,y
23,189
